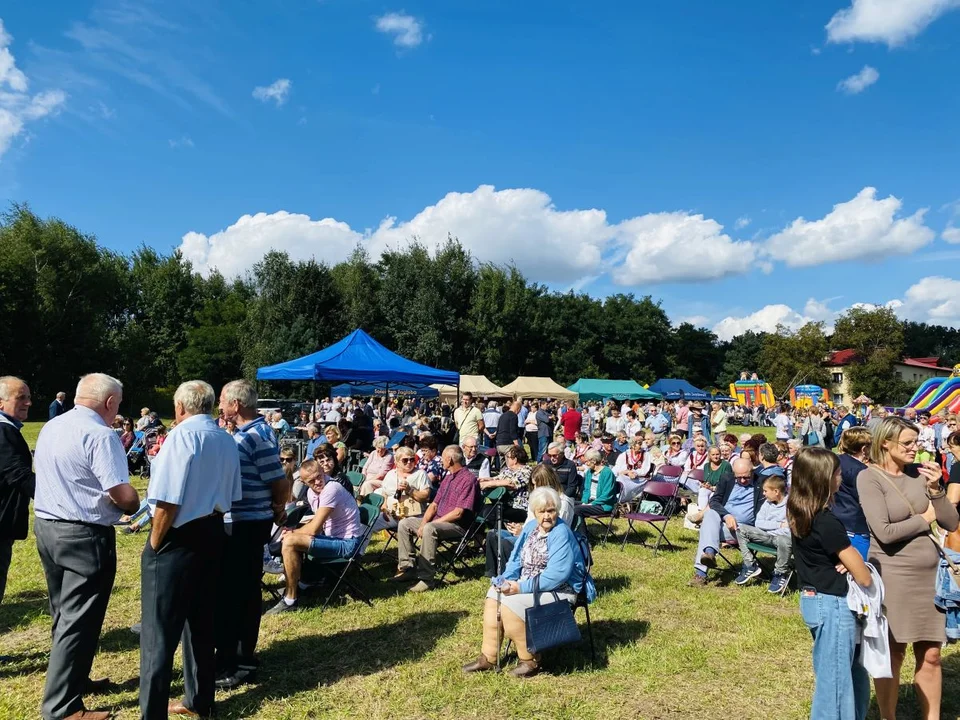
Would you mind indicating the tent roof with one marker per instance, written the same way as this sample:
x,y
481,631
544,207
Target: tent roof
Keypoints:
x,y
399,389
357,358
537,387
673,388
479,385
592,389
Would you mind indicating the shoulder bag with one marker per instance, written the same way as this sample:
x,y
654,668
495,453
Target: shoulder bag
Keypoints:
x,y
549,625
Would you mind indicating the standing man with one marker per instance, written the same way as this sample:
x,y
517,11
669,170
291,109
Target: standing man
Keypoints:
x,y
58,406
193,482
468,418
82,490
508,429
491,419
247,525
17,480
571,421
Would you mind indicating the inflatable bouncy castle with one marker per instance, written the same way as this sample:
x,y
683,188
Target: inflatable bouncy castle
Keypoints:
x,y
752,391
938,394
803,396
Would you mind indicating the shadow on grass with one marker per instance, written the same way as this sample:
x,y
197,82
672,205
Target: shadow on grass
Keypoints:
x,y
24,606
119,639
289,667
26,663
610,584
607,635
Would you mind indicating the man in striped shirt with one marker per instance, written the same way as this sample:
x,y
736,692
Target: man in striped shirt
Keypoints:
x,y
248,526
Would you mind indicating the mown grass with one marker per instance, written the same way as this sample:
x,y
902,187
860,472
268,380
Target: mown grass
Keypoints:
x,y
664,650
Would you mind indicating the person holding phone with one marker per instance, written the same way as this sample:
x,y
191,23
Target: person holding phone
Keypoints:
x,y
823,555
900,500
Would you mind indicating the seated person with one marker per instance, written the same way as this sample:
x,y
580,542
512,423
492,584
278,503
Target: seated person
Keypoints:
x,y
405,490
565,468
314,438
675,454
430,461
770,528
548,550
606,450
448,516
515,477
280,426
736,501
332,434
633,469
599,494
620,443
696,460
158,443
476,463
583,444
337,516
127,436
326,455
542,476
375,469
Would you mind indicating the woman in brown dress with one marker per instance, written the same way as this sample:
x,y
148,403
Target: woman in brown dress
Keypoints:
x,y
900,500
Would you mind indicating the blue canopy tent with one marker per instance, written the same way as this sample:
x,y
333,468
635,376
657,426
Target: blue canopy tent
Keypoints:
x,y
675,389
361,360
411,391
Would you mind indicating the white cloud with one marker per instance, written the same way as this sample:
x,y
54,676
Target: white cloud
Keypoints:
x,y
660,247
888,21
101,109
697,321
742,222
276,91
934,300
765,319
183,142
952,235
856,84
17,106
407,31
860,228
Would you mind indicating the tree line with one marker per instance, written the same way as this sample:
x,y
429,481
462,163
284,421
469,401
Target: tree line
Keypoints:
x,y
70,306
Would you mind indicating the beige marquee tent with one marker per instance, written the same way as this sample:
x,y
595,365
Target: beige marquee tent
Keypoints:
x,y
537,388
479,385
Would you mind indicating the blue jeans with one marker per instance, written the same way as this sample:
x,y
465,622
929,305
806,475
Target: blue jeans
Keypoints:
x,y
861,543
330,548
542,443
842,686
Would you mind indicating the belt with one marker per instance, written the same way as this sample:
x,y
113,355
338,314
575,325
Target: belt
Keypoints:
x,y
95,526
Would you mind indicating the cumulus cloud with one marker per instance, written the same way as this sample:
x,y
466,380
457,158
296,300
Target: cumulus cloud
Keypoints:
x,y
17,106
864,227
887,21
407,30
856,84
664,247
934,300
742,222
765,319
952,235
277,91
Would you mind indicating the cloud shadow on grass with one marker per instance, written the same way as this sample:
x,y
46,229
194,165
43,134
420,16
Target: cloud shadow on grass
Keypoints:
x,y
289,667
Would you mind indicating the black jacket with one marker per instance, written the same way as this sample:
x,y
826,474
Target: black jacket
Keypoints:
x,y
17,482
570,480
725,487
508,429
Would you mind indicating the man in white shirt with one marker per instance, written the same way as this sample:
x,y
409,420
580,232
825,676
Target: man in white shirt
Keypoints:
x,y
83,488
783,423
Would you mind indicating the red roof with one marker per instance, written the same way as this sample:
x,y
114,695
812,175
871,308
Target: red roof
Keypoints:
x,y
841,357
928,363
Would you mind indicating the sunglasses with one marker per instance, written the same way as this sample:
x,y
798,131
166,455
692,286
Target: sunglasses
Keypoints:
x,y
675,442
286,460
407,460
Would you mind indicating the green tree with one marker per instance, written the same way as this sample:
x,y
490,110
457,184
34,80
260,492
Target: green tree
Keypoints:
x,y
741,354
695,355
635,339
356,281
877,337
790,358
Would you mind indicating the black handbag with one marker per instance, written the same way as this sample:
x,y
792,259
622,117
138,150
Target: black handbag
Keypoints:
x,y
549,625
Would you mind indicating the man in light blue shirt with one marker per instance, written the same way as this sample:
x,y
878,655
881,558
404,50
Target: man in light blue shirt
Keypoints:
x,y
82,488
193,482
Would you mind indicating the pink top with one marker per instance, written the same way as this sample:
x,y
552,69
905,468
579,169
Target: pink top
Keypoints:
x,y
344,519
376,467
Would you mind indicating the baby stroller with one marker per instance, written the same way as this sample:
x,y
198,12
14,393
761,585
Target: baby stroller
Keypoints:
x,y
138,460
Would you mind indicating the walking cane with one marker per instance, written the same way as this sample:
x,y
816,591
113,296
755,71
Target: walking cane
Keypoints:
x,y
499,573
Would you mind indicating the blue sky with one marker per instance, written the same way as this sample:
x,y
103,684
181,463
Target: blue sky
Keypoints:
x,y
747,163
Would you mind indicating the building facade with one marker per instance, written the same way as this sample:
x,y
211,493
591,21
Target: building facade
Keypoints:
x,y
912,371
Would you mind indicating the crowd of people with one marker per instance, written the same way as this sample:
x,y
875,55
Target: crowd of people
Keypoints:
x,y
228,500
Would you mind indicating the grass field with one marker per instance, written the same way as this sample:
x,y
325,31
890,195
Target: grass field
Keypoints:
x,y
664,650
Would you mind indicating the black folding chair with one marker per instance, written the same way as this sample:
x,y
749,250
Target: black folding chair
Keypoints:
x,y
455,553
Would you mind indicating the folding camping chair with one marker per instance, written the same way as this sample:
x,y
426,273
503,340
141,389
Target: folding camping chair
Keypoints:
x,y
666,494
455,552
606,521
356,479
761,549
669,473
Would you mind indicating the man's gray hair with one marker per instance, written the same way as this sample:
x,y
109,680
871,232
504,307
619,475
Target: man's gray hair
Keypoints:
x,y
455,453
97,387
313,427
196,397
556,446
7,385
61,395
542,498
241,391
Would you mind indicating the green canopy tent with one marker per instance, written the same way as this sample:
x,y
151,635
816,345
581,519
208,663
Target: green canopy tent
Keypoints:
x,y
591,389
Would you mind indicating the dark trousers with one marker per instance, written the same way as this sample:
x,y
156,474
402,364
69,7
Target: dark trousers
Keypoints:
x,y
507,541
177,586
533,442
585,510
80,563
6,555
239,600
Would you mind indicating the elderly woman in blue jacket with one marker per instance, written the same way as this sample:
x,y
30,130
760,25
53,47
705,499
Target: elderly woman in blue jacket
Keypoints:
x,y
546,549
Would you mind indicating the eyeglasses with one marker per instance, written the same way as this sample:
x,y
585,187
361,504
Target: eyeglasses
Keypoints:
x,y
743,477
407,460
908,445
674,442
286,459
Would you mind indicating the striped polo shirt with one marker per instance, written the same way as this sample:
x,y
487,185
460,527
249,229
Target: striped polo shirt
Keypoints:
x,y
259,469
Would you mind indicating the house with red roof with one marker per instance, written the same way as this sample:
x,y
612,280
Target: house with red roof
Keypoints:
x,y
912,371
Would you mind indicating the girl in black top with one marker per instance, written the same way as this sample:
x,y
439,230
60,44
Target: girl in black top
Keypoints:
x,y
823,555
